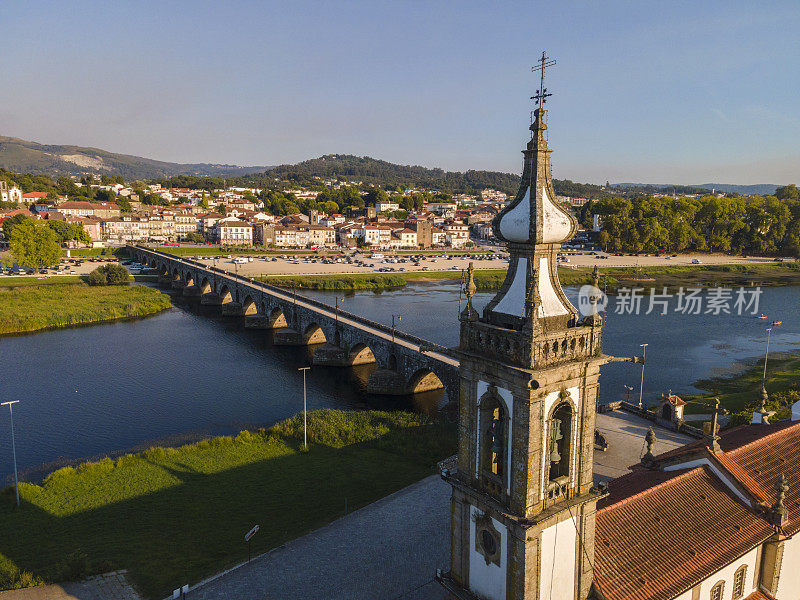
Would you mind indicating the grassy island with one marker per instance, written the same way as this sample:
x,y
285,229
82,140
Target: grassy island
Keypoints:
x,y
179,514
32,305
741,393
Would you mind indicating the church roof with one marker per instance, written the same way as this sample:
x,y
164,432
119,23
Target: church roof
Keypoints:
x,y
661,532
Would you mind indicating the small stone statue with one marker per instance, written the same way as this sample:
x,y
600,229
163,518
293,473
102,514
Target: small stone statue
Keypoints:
x,y
649,459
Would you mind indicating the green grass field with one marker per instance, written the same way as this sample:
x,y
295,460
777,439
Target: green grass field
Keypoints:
x,y
177,515
743,391
32,304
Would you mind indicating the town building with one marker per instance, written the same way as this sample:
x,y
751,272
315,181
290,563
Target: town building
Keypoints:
x,y
231,231
10,193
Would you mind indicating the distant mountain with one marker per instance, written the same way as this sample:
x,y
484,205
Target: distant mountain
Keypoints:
x,y
761,189
380,172
661,188
23,156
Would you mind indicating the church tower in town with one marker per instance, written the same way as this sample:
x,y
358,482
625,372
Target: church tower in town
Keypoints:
x,y
523,501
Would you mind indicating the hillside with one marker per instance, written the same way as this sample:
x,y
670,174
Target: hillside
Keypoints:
x,y
761,189
23,156
380,172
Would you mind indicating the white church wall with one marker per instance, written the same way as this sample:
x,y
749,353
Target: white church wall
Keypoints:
x,y
726,574
557,575
551,305
555,224
513,303
789,582
487,581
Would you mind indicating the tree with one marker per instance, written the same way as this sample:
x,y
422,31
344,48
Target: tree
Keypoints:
x,y
34,244
10,223
69,231
331,207
204,201
112,274
789,192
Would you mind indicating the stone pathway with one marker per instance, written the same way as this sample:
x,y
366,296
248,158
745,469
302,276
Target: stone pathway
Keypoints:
x,y
109,586
389,550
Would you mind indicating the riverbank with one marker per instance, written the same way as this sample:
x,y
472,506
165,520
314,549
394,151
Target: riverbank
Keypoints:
x,y
741,393
611,278
33,305
178,514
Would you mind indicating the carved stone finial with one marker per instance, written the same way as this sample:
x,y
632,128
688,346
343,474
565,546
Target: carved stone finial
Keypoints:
x,y
780,513
649,459
596,276
762,415
469,313
469,287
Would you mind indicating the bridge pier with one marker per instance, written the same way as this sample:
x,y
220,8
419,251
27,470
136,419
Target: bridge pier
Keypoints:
x,y
287,336
211,299
177,284
386,382
164,280
256,322
232,309
329,355
191,291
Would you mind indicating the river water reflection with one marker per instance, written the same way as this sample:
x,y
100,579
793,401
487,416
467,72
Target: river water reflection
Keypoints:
x,y
187,373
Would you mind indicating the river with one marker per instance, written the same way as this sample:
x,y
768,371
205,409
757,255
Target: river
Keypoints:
x,y
186,373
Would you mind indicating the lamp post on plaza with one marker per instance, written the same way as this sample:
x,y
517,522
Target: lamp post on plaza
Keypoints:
x,y
305,420
641,385
766,356
10,405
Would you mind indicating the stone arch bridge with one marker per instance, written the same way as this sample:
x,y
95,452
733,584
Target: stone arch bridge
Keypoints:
x,y
405,363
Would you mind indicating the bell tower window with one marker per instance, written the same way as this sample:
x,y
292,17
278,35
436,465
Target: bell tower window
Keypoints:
x,y
559,445
493,443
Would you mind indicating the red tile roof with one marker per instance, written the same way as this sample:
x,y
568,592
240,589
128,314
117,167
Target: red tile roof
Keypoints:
x,y
659,533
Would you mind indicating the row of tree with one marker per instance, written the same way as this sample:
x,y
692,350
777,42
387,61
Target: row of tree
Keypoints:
x,y
742,225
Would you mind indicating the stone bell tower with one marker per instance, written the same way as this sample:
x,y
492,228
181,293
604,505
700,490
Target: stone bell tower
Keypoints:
x,y
523,503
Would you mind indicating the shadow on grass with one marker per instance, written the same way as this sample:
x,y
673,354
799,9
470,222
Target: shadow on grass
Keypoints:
x,y
186,532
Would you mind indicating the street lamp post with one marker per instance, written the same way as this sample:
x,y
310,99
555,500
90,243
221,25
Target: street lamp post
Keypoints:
x,y
766,355
629,389
337,310
305,418
641,385
10,405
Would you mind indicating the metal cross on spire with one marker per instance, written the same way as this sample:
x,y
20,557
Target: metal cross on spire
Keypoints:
x,y
541,95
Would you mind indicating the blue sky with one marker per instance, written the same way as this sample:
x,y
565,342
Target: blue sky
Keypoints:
x,y
678,92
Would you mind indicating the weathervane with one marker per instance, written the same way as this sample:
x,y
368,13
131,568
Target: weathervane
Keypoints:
x,y
541,95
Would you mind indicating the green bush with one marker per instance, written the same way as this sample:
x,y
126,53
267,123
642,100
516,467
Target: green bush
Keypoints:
x,y
112,274
96,277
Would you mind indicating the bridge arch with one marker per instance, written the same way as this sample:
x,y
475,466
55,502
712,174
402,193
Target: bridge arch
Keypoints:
x,y
225,295
249,307
360,354
424,380
392,363
277,320
205,286
313,334
188,278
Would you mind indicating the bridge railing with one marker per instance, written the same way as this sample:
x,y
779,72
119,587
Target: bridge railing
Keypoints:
x,y
426,344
